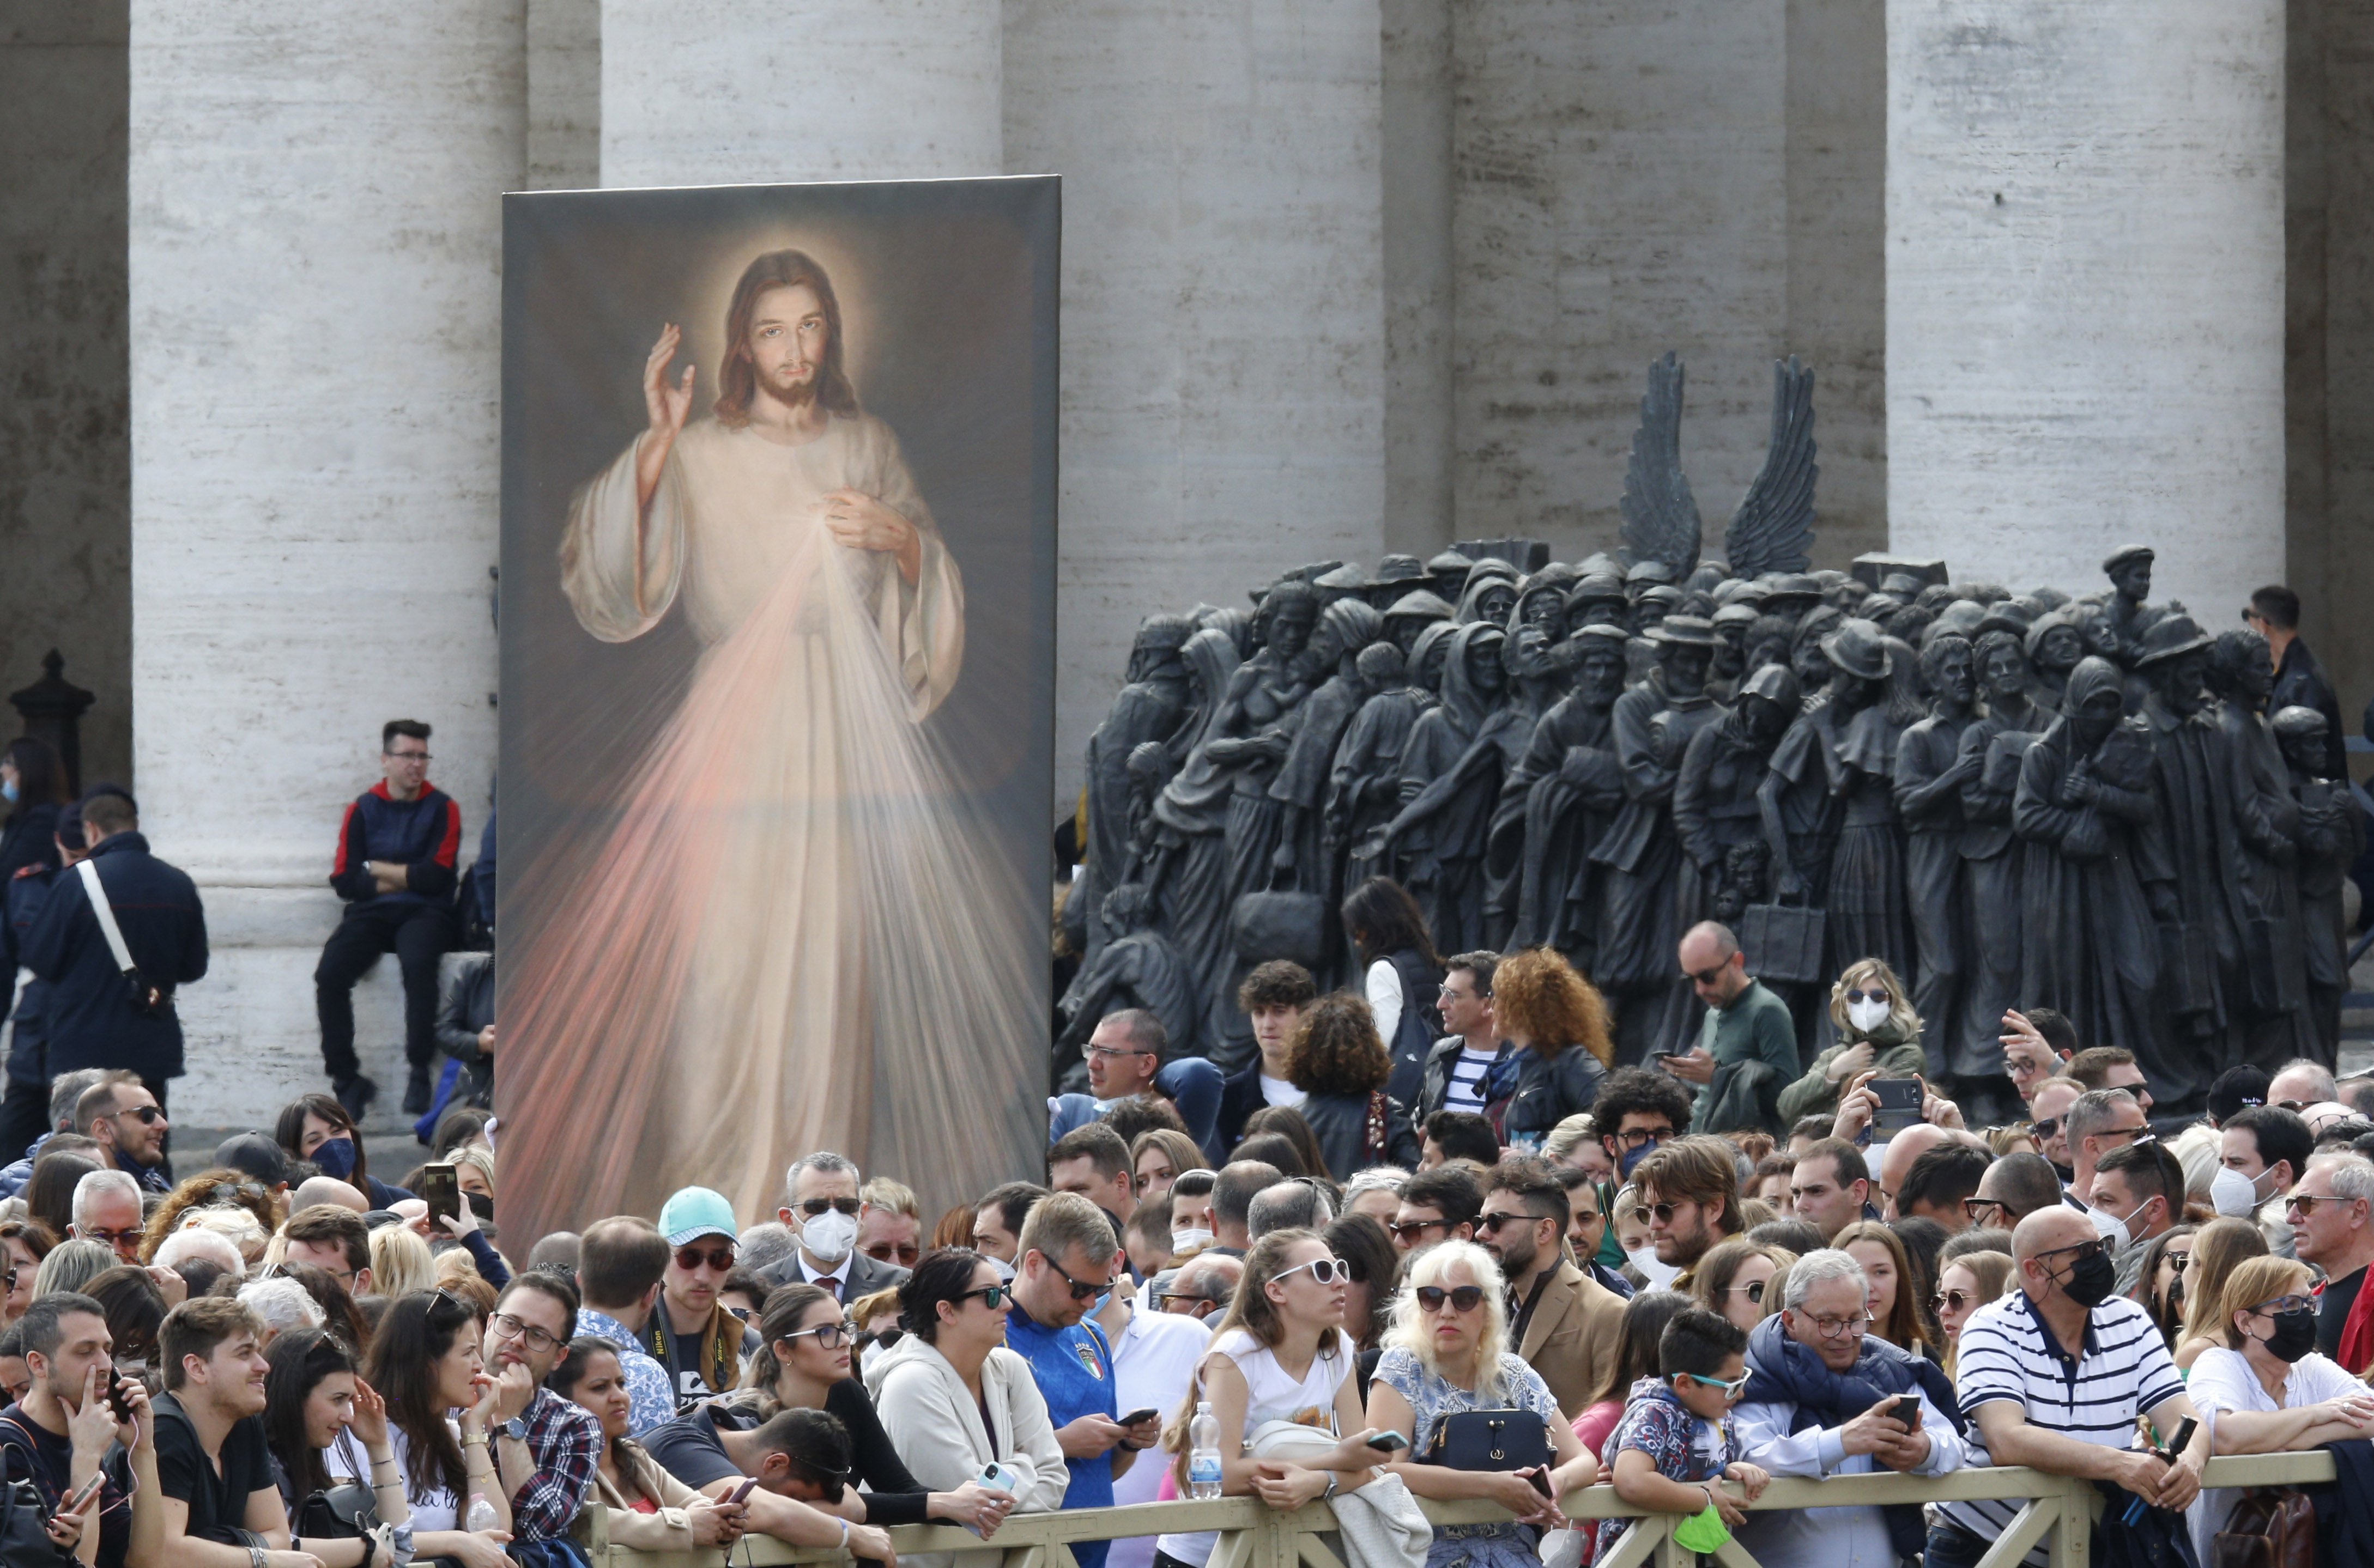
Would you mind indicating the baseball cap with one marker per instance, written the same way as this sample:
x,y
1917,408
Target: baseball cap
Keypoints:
x,y
2236,1089
694,1213
254,1154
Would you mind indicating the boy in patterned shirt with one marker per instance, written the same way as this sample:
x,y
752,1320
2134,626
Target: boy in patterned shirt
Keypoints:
x,y
1675,1438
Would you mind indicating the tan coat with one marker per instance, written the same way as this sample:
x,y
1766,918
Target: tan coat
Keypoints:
x,y
667,1531
1574,1338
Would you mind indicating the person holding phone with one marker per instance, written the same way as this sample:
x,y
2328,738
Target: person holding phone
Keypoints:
x,y
1448,1351
1744,1022
60,1434
648,1509
1826,1397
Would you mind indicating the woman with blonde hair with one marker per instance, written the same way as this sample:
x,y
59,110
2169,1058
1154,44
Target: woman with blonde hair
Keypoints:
x,y
1447,1353
1338,1061
1963,1285
1559,1022
2263,1389
2218,1249
1741,1281
1895,1308
1877,1030
400,1263
220,1187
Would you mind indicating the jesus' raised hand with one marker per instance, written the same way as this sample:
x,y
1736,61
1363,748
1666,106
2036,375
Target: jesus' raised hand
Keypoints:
x,y
667,405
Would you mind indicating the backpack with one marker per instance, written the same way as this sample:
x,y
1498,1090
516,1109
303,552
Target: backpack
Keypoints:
x,y
2270,1527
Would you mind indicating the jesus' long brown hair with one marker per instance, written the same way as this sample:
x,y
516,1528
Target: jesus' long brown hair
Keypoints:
x,y
737,383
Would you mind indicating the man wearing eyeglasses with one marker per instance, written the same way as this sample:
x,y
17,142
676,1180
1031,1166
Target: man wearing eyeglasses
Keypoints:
x,y
107,1211
125,1119
2018,1360
821,1206
702,1345
546,1447
1125,1056
1813,1368
1065,1267
2333,1229
398,850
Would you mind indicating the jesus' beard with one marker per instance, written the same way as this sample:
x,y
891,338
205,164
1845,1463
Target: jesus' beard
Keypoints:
x,y
795,395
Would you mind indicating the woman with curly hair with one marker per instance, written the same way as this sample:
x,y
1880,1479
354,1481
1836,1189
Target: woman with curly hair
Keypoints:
x,y
1337,1061
1399,974
1557,1020
220,1187
1872,1011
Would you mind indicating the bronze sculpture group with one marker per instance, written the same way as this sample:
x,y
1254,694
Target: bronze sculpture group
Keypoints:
x,y
2017,800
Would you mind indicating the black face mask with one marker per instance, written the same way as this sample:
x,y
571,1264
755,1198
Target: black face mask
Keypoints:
x,y
2295,1335
2091,1279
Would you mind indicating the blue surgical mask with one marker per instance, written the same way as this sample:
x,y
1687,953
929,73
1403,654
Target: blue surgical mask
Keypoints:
x,y
336,1157
9,790
1631,1158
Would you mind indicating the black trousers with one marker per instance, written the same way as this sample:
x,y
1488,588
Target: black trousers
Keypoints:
x,y
417,935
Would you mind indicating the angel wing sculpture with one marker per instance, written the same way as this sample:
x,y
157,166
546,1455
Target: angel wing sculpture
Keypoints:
x,y
1773,529
1661,515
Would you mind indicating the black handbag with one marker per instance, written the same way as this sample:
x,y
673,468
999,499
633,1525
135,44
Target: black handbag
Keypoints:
x,y
24,1529
1490,1440
343,1512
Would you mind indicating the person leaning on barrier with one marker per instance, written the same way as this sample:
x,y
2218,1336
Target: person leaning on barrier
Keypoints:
x,y
2269,1389
1821,1401
2218,1249
1677,1437
2018,1359
646,1508
1449,1352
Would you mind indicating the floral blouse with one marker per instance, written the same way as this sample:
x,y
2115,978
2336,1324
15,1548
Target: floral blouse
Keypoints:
x,y
1431,1397
1683,1445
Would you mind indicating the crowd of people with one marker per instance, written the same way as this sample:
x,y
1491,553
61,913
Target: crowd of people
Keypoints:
x,y
1283,1283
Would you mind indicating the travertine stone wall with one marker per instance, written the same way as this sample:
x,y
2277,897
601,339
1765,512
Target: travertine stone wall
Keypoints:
x,y
314,199
1223,304
2085,288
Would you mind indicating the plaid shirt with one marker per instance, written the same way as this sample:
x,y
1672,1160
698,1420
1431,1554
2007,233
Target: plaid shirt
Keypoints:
x,y
566,1441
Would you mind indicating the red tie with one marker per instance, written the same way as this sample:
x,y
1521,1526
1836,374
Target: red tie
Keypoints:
x,y
830,1286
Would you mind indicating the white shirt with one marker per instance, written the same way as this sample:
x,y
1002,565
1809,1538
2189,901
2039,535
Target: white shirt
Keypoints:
x,y
1154,1359
1385,988
1468,1071
1278,1092
2222,1380
437,1510
1854,1537
1271,1393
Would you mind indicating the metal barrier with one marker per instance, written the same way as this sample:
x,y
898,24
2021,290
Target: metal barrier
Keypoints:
x,y
2058,1513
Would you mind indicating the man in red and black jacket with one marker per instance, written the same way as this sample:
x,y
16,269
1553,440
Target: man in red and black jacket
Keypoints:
x,y
396,869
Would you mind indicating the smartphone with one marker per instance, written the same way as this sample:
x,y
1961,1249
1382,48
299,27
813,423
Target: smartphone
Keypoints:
x,y
741,1493
1907,1410
73,1504
1000,1478
1541,1480
1135,1416
1389,1442
441,1190
1899,1105
115,1399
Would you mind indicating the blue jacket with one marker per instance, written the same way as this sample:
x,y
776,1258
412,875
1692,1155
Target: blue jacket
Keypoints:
x,y
29,838
423,834
93,1021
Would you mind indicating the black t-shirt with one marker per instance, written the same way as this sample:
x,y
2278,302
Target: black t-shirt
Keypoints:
x,y
31,1450
689,1448
2333,1310
217,1498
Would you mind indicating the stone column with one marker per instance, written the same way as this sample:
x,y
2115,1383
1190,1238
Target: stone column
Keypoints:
x,y
2086,289
741,91
314,257
1223,295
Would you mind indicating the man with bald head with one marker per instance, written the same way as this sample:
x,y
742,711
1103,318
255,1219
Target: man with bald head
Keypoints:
x,y
2299,1084
1744,1021
2049,1113
2018,1359
2013,1187
1896,1156
329,1189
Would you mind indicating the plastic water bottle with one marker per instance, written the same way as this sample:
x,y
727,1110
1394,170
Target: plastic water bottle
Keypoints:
x,y
481,1516
1204,1452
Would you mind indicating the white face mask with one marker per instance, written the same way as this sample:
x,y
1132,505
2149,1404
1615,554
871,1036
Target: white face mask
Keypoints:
x,y
1005,1269
1867,1014
829,1236
1659,1275
1186,1240
2112,1230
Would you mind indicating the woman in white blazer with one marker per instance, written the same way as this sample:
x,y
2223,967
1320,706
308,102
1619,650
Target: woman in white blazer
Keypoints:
x,y
954,1400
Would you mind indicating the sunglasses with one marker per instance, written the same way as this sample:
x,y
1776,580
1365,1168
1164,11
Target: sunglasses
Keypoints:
x,y
1463,1298
1081,1290
2305,1203
1731,1391
1664,1212
1706,976
885,1338
1489,1224
812,1207
149,1114
1974,1207
1406,1229
2177,1263
2045,1128
1953,1300
1754,1292
1859,994
828,1336
992,1296
718,1258
1325,1271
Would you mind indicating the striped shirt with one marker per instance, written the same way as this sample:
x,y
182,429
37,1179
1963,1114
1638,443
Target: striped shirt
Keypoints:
x,y
1465,1090
2006,1352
